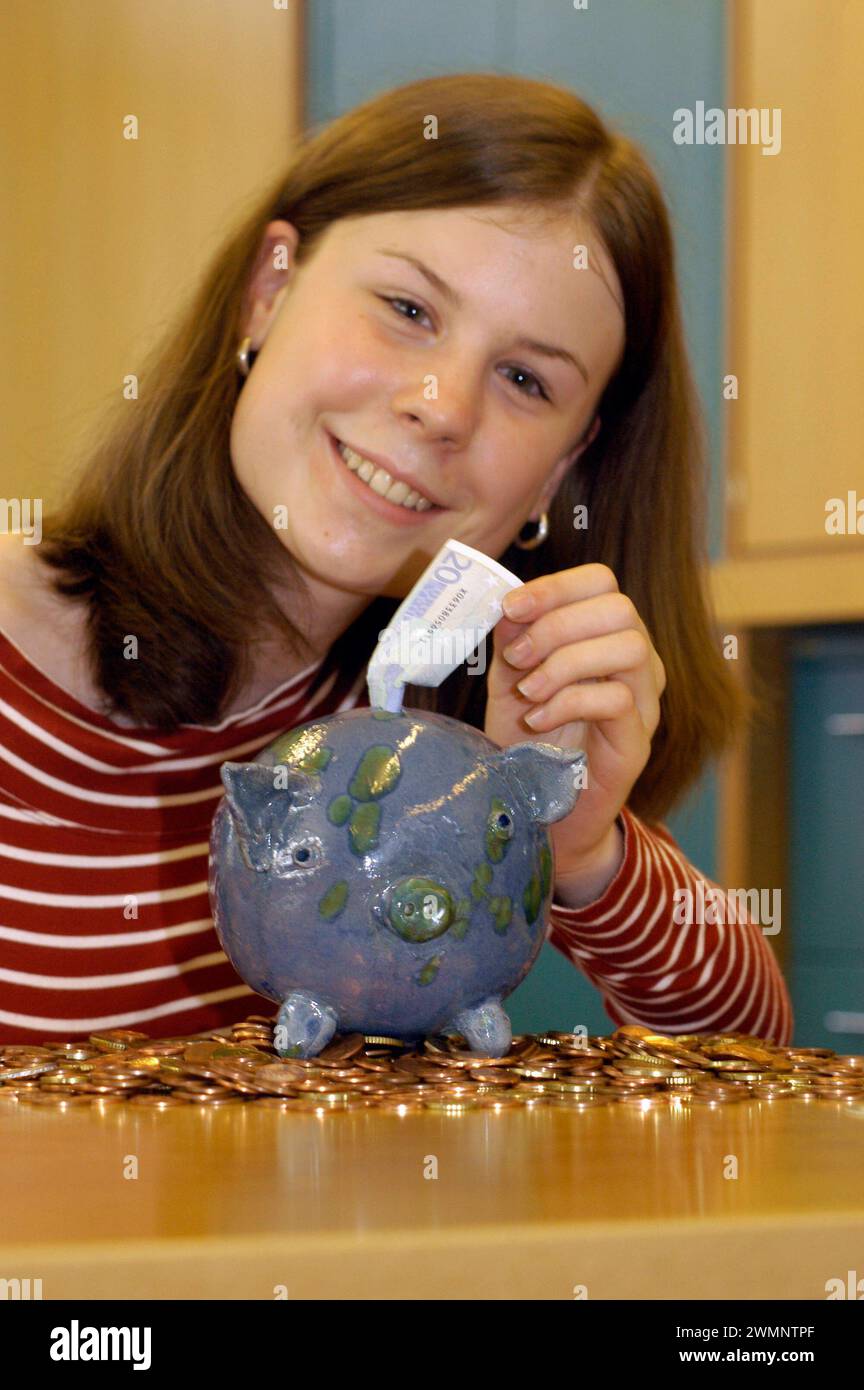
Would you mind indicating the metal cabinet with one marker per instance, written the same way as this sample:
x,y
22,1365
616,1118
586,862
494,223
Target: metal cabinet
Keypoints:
x,y
826,870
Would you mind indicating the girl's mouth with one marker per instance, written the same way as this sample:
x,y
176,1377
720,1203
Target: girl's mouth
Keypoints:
x,y
390,498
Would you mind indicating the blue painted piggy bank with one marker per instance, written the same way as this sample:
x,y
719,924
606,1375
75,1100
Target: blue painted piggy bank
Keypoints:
x,y
387,873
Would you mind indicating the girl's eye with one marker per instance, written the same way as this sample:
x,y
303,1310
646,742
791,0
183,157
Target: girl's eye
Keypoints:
x,y
529,376
409,304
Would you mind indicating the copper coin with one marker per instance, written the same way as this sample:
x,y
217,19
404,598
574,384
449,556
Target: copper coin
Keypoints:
x,y
342,1049
240,1065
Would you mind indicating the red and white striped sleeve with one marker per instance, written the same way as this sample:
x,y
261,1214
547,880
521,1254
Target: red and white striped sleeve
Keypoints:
x,y
700,978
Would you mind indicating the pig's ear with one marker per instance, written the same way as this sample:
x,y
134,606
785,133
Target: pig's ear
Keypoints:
x,y
259,799
547,779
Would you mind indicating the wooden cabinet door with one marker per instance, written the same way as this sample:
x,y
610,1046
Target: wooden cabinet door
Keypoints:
x,y
102,234
796,283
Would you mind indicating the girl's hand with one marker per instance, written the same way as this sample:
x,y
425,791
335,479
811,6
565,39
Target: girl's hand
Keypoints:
x,y
581,628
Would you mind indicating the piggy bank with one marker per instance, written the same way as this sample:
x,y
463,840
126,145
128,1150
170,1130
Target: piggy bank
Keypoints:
x,y
388,874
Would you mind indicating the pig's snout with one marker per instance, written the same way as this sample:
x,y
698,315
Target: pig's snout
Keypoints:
x,y
418,909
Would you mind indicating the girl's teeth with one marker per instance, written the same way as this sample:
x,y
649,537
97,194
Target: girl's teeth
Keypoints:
x,y
381,482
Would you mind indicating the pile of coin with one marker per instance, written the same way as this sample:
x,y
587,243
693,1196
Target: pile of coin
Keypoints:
x,y
633,1066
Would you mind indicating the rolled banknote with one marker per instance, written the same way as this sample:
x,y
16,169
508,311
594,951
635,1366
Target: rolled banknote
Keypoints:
x,y
454,604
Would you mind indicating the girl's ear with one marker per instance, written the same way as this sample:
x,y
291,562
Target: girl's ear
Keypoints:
x,y
562,467
590,437
269,278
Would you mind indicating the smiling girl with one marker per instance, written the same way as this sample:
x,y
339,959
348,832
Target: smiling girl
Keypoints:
x,y
409,339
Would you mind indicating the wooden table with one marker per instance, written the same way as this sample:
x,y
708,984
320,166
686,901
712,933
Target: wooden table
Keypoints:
x,y
232,1203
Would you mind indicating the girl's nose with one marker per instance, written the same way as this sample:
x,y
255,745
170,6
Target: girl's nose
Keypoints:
x,y
445,400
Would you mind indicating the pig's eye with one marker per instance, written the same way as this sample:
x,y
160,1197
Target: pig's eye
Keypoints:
x,y
500,829
419,909
306,854
298,856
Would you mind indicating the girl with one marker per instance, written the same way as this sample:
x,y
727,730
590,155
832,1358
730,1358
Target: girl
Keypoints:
x,y
428,328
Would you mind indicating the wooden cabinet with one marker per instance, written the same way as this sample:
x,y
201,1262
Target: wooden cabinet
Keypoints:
x,y
791,794
103,235
795,310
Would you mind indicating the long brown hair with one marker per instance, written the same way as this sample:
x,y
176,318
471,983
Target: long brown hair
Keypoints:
x,y
160,540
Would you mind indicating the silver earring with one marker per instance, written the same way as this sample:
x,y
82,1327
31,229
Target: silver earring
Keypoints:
x,y
246,355
539,538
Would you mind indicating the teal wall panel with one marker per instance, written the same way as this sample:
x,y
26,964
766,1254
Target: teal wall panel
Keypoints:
x,y
636,61
825,912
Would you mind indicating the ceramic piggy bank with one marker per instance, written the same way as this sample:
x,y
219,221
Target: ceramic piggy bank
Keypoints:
x,y
388,874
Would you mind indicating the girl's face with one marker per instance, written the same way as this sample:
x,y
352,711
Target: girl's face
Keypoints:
x,y
460,350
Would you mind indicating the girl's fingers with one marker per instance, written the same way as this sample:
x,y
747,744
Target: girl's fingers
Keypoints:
x,y
594,701
576,661
573,622
617,659
582,628
615,714
550,591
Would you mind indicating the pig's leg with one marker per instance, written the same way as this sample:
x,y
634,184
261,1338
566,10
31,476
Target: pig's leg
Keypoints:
x,y
303,1025
486,1028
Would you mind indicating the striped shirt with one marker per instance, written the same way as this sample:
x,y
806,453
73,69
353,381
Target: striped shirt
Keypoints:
x,y
104,910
